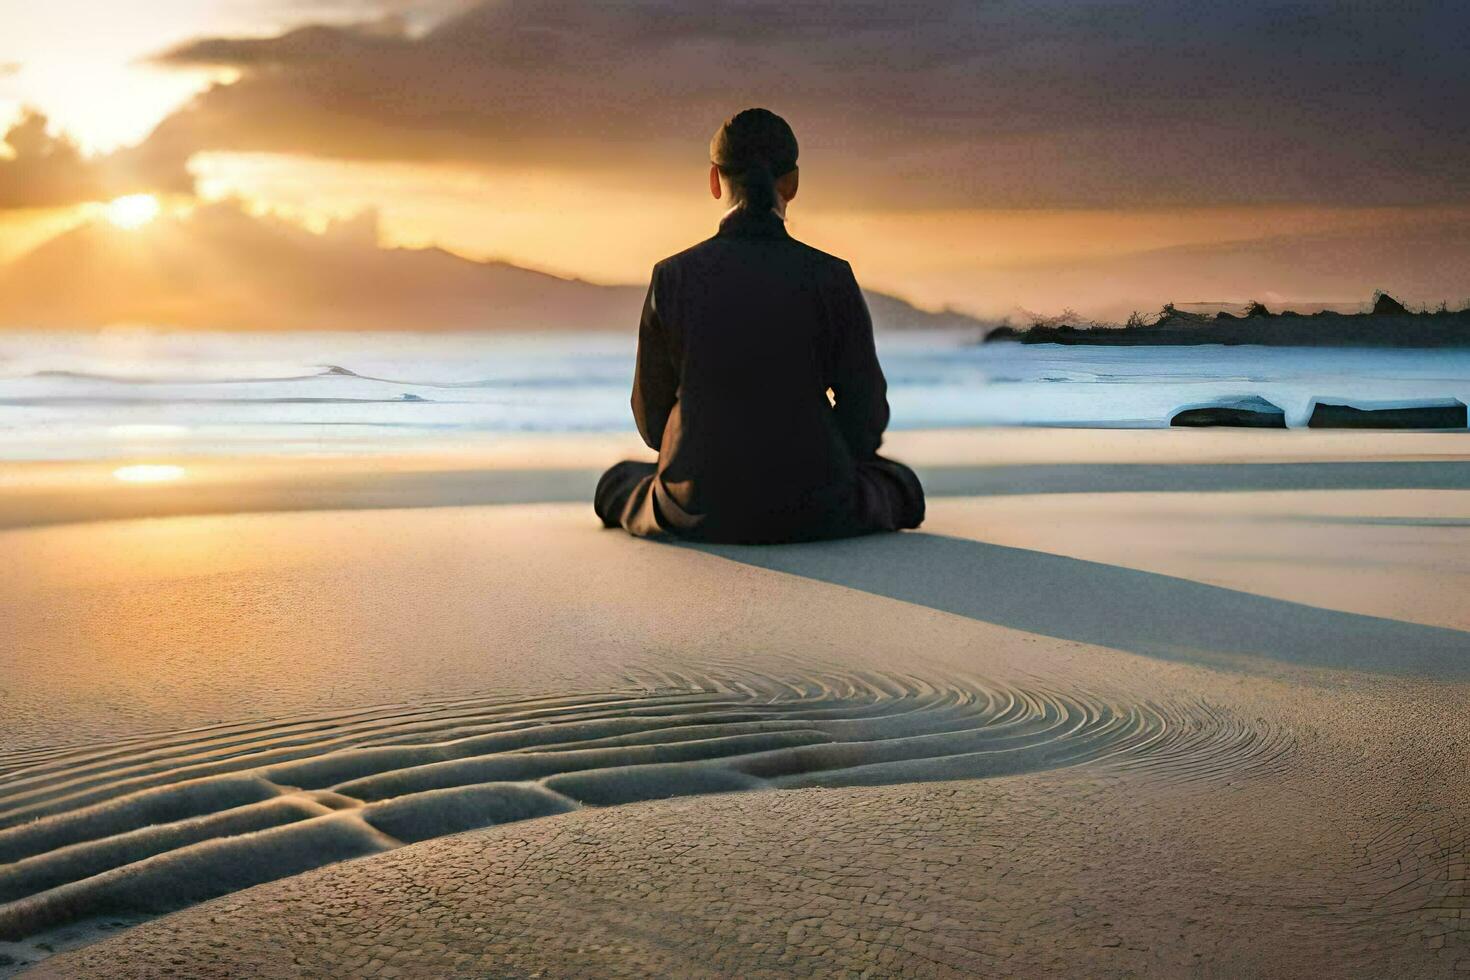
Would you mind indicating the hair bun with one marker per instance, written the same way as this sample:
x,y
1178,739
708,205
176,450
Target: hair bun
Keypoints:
x,y
752,140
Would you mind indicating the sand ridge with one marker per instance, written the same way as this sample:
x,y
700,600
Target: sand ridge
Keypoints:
x,y
166,822
1060,873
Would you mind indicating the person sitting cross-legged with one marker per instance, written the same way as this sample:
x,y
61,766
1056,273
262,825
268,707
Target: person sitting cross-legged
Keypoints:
x,y
756,379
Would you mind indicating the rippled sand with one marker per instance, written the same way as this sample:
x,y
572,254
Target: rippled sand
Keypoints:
x,y
1144,731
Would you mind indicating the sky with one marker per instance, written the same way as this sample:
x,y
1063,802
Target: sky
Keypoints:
x,y
990,155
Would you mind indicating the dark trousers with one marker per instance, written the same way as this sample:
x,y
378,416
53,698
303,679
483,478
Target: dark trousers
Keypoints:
x,y
889,498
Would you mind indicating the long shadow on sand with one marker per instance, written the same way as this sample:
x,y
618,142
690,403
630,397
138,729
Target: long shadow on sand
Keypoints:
x,y
1112,606
963,481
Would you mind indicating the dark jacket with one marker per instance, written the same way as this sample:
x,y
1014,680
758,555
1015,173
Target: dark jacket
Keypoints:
x,y
741,338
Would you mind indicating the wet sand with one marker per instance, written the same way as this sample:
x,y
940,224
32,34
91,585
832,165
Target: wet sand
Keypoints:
x,y
1150,730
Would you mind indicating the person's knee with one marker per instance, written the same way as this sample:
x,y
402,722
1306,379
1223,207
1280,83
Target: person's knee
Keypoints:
x,y
914,513
614,488
912,504
604,497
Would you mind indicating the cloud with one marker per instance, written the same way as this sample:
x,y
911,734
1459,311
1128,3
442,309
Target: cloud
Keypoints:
x,y
47,170
979,103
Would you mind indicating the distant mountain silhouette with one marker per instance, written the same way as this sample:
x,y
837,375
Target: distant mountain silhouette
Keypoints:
x,y
223,268
1422,264
1389,324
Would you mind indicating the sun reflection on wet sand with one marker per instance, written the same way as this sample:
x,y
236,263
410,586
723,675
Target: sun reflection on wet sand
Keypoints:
x,y
149,473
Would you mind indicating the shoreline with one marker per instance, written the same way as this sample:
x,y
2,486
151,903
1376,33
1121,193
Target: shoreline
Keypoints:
x,y
538,469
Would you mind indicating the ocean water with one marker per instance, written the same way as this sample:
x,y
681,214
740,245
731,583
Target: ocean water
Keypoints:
x,y
130,392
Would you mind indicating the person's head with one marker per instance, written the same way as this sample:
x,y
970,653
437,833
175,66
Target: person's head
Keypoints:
x,y
753,161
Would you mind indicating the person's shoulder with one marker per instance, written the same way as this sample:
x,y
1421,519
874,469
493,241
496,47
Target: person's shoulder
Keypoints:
x,y
824,263
833,269
821,258
685,255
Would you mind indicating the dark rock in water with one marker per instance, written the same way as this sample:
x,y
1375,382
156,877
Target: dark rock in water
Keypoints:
x,y
1386,305
1250,413
1441,416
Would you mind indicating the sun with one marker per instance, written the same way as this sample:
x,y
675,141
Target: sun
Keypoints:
x,y
133,210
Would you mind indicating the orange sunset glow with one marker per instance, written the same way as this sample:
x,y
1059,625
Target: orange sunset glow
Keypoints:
x,y
993,190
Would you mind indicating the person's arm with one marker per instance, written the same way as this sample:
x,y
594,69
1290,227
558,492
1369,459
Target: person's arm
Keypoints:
x,y
655,382
858,385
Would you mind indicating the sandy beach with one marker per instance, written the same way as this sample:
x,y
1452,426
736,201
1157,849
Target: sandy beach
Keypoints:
x,y
1154,703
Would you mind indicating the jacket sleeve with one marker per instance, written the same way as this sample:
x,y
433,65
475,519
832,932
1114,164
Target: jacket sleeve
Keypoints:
x,y
655,382
858,385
